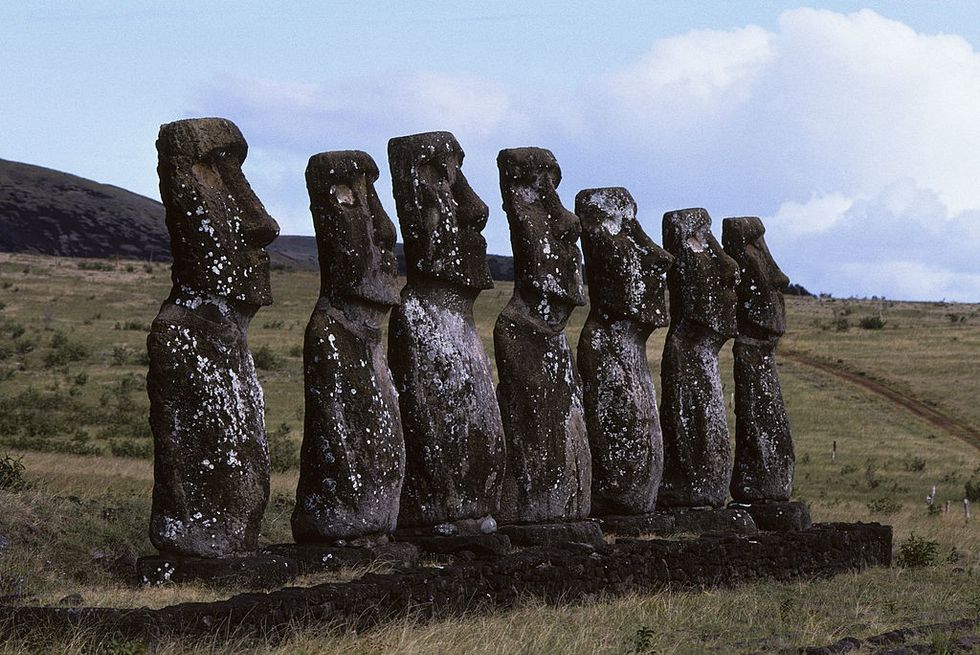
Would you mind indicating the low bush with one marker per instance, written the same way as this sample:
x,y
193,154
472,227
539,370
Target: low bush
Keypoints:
x,y
267,359
12,474
64,350
872,323
884,505
914,464
972,487
917,552
283,453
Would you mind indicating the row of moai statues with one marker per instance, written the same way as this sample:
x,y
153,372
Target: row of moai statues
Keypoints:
x,y
421,441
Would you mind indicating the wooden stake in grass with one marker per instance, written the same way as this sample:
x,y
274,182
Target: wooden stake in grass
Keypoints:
x,y
966,508
833,452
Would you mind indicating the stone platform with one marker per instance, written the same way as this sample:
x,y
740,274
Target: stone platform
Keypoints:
x,y
702,520
270,567
636,525
554,574
778,516
545,534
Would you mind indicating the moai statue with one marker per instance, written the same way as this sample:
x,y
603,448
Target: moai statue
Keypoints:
x,y
764,460
697,448
353,456
627,274
211,459
549,468
454,441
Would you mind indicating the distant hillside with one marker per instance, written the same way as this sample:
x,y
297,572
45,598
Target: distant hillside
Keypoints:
x,y
48,212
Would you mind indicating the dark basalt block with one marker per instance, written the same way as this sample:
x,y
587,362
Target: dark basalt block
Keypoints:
x,y
777,516
316,557
638,524
481,546
550,534
258,571
549,466
729,520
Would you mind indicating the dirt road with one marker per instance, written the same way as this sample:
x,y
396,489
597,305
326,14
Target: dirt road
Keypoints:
x,y
932,415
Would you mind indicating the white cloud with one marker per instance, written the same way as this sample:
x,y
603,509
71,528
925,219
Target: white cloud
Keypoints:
x,y
855,134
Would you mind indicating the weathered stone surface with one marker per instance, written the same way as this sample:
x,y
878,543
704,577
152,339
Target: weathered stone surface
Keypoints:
x,y
549,468
627,278
555,574
311,557
257,571
780,516
697,445
480,546
764,459
453,435
548,534
211,461
634,525
727,520
353,457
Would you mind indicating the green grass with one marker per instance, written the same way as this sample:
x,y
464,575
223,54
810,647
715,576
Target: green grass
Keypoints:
x,y
87,507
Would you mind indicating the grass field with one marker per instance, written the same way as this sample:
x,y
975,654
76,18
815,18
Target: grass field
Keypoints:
x,y
73,408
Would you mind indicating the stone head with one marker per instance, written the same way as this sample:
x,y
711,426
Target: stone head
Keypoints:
x,y
355,238
761,308
441,216
703,278
627,271
218,227
543,234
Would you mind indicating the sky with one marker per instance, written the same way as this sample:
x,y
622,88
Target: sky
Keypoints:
x,y
852,129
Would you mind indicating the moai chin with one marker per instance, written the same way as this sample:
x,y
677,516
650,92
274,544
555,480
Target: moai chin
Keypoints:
x,y
697,448
453,436
764,460
353,456
627,274
211,460
549,468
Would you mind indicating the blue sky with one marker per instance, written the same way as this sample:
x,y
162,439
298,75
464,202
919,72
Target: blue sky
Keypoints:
x,y
852,129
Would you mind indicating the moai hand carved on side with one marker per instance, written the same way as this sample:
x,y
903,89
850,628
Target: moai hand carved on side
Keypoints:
x,y
453,436
764,460
697,445
211,459
353,456
549,468
627,275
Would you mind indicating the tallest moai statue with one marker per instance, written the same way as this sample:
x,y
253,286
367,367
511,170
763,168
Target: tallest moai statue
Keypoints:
x,y
453,435
211,460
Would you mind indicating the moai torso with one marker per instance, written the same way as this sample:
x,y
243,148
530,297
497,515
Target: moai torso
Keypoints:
x,y
549,467
627,278
764,460
211,461
353,457
453,436
697,445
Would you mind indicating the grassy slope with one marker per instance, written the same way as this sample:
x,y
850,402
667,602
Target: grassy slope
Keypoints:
x,y
88,510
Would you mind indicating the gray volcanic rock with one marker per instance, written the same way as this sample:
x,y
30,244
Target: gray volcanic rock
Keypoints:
x,y
454,440
697,445
549,468
764,459
353,457
211,460
627,275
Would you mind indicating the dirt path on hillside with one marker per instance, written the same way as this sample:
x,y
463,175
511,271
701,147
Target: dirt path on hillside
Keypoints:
x,y
931,415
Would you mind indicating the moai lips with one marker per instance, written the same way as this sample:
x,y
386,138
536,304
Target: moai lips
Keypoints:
x,y
697,448
627,275
549,468
453,435
211,461
353,455
764,459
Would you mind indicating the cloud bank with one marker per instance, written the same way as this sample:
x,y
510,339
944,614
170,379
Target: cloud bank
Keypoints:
x,y
854,137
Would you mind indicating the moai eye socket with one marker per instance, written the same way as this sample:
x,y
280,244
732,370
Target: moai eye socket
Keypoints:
x,y
343,194
696,243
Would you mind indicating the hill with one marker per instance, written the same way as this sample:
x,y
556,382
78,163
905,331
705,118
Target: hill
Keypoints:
x,y
48,212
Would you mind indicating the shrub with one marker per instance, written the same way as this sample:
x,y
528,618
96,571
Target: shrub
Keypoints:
x,y
5,352
917,552
120,356
296,351
12,474
841,324
95,266
64,350
131,448
283,454
884,505
266,359
913,464
972,487
872,323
